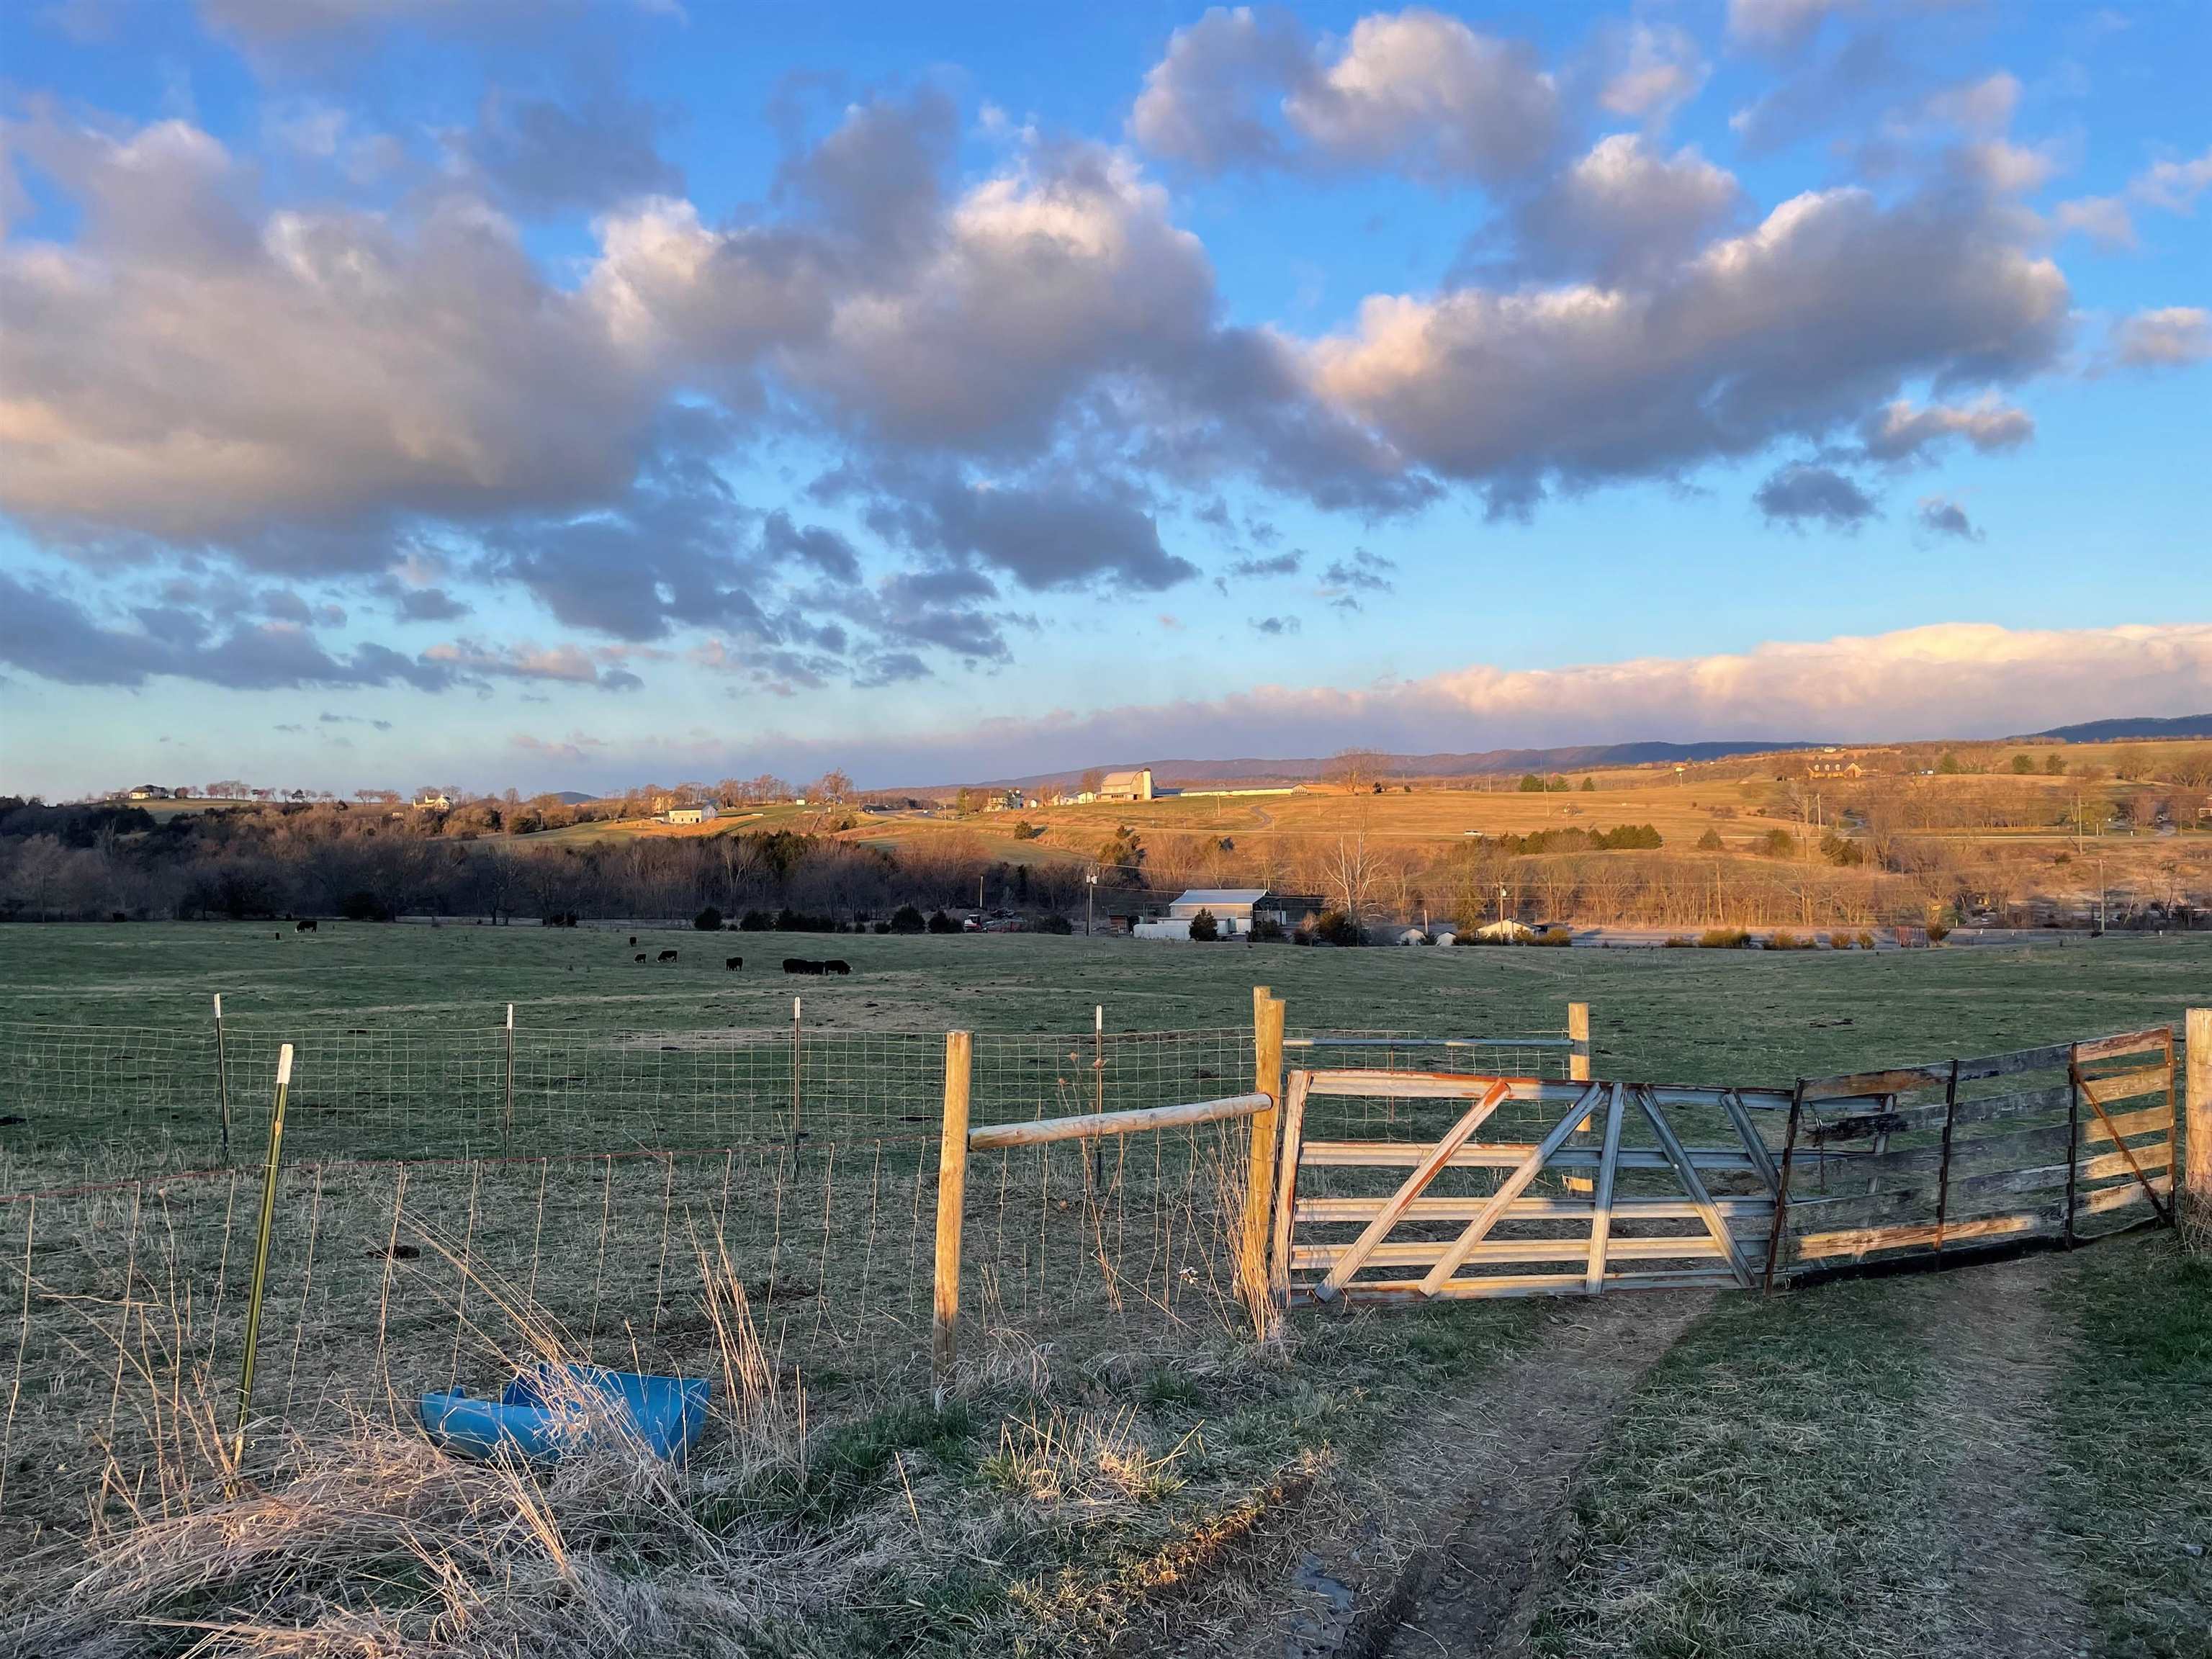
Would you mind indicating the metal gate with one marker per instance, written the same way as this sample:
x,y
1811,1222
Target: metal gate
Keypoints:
x,y
1399,1185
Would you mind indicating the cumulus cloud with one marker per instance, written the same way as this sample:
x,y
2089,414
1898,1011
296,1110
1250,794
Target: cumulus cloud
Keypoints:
x,y
1899,431
1789,329
185,369
2173,337
1274,627
1803,493
1412,90
2170,185
1274,564
1623,212
548,156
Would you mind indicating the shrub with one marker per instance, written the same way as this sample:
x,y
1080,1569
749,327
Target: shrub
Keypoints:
x,y
1027,832
708,921
1555,935
1866,941
1678,942
1053,924
907,920
1777,844
1336,927
1710,842
1782,940
1841,849
941,923
1265,930
1629,837
1204,928
1937,933
1723,938
756,921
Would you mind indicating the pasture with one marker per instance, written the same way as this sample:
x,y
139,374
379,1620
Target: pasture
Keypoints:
x,y
1119,1462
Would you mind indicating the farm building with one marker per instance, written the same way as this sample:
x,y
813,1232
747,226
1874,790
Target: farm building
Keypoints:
x,y
1235,909
148,791
1135,785
692,814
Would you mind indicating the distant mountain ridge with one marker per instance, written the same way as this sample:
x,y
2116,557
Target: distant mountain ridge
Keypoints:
x,y
2178,725
1168,774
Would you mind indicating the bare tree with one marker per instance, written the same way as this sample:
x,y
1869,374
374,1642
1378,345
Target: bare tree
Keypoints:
x,y
1348,876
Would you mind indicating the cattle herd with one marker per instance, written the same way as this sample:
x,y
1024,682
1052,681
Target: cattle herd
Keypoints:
x,y
791,964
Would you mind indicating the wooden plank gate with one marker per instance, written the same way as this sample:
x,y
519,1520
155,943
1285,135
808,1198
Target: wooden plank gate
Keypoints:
x,y
1404,1186
2062,1143
1512,1197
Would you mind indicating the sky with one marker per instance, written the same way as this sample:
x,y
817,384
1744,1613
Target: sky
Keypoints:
x,y
568,395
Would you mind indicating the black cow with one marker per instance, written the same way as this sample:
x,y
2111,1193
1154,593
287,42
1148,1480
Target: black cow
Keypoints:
x,y
733,962
836,966
632,938
800,965
306,926
668,955
641,956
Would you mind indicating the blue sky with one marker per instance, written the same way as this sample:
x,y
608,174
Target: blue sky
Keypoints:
x,y
567,395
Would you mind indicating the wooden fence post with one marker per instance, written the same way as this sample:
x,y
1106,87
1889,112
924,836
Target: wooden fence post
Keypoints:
x,y
261,1248
2198,1131
951,1195
1260,1188
2073,1134
1578,1070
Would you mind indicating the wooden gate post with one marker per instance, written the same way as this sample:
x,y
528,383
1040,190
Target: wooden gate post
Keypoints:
x,y
2198,1207
1260,1185
951,1197
1578,1070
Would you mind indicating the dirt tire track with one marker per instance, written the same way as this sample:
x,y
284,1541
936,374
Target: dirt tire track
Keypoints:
x,y
2012,1590
1456,1528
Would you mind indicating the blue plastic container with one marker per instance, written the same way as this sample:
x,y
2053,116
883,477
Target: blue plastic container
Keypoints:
x,y
544,1414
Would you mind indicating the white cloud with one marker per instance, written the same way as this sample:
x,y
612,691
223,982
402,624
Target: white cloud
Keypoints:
x,y
1900,432
2171,337
2174,185
1653,70
1625,212
1412,90
1789,329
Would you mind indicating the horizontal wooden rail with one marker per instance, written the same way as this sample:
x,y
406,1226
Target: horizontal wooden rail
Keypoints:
x,y
1326,1212
1540,1090
1404,1154
1092,1125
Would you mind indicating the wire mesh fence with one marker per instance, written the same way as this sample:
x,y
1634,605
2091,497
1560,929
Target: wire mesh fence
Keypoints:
x,y
391,1277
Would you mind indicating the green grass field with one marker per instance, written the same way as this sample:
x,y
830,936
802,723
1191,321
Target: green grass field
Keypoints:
x,y
1116,1438
1691,1016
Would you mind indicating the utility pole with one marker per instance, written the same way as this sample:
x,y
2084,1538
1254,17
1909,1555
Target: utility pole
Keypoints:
x,y
1089,892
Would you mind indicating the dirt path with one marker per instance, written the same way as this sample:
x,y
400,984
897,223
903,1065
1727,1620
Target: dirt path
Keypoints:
x,y
1445,1542
2011,1591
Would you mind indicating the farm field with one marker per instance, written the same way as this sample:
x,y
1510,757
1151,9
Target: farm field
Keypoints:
x,y
1119,1463
1748,1017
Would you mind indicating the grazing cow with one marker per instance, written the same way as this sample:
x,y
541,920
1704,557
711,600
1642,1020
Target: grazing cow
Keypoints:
x,y
640,957
306,926
668,955
835,966
632,938
733,962
800,965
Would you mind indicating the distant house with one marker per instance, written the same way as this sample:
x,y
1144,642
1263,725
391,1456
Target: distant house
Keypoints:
x,y
691,814
1834,768
437,803
1127,785
148,791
